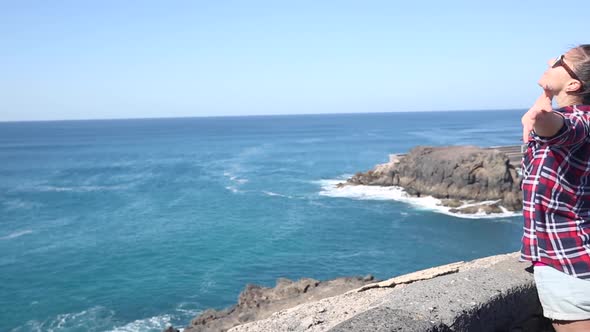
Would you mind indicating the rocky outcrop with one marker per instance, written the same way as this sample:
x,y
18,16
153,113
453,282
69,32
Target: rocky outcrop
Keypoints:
x,y
454,174
257,302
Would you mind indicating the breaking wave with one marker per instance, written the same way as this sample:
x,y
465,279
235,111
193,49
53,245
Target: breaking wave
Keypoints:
x,y
361,192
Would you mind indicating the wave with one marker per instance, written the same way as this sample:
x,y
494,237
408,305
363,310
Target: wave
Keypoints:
x,y
430,203
99,318
78,189
270,193
16,234
156,323
238,163
96,319
233,189
188,309
234,178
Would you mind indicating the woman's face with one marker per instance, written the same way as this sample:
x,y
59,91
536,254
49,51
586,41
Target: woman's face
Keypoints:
x,y
556,79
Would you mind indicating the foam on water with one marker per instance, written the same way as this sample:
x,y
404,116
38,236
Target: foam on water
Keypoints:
x,y
78,189
16,234
156,323
100,318
232,189
361,192
270,193
235,181
93,319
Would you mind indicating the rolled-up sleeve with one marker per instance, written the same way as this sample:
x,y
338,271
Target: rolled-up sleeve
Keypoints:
x,y
574,130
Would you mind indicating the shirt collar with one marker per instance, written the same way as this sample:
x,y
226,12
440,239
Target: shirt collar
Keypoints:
x,y
573,108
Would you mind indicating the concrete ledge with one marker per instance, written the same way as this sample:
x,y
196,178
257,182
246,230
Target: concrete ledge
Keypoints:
x,y
496,293
387,319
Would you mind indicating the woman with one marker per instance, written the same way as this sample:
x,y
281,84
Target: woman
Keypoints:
x,y
556,189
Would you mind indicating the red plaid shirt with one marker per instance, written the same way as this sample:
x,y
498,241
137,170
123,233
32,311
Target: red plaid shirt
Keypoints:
x,y
556,195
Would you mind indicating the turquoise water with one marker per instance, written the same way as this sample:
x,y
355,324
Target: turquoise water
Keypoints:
x,y
131,225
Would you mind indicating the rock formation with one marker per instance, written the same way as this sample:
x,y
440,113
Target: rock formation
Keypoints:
x,y
257,302
452,174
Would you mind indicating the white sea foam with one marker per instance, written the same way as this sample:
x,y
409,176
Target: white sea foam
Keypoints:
x,y
234,178
270,193
96,318
232,189
16,234
79,188
103,319
188,309
430,203
183,312
156,323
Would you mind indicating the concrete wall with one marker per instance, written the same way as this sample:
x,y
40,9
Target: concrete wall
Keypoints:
x,y
491,294
489,297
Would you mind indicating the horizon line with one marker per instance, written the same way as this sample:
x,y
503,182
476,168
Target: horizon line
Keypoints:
x,y
256,115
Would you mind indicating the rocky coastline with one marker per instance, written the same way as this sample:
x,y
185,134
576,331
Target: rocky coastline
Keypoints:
x,y
467,179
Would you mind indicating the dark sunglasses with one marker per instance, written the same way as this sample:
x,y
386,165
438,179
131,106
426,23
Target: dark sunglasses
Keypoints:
x,y
559,62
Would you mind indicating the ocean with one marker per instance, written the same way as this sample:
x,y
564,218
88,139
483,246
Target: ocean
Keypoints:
x,y
133,225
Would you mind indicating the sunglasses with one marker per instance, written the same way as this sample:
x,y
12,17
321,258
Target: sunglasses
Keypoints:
x,y
559,62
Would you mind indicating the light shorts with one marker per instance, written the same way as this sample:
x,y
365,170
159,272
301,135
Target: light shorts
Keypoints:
x,y
562,296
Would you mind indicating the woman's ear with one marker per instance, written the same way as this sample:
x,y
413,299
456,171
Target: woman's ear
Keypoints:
x,y
573,86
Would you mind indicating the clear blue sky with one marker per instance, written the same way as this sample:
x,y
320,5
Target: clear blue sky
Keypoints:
x,y
129,59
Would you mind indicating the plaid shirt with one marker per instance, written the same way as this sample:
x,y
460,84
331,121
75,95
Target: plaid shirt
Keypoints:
x,y
556,195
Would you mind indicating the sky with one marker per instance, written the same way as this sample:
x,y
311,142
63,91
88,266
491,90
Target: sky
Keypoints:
x,y
143,59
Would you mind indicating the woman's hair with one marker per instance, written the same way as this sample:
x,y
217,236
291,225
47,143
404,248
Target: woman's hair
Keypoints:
x,y
582,69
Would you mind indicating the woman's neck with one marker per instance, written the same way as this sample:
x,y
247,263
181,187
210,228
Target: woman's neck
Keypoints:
x,y
565,99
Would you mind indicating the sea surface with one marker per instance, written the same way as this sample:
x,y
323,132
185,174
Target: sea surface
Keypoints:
x,y
133,225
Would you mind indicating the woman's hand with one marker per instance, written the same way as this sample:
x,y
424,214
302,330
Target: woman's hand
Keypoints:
x,y
536,114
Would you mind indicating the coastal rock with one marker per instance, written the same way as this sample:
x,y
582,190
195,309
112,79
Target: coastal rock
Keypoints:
x,y
257,302
453,174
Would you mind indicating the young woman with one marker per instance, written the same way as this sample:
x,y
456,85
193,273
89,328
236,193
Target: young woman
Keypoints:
x,y
556,189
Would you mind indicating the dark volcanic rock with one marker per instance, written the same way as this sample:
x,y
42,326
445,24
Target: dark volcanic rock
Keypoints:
x,y
455,172
257,302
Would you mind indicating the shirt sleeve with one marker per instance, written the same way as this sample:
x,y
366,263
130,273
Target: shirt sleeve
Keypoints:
x,y
575,130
